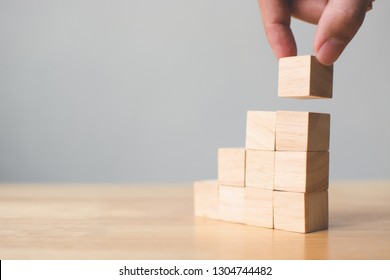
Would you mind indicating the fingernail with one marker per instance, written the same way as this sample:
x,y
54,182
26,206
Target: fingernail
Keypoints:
x,y
330,51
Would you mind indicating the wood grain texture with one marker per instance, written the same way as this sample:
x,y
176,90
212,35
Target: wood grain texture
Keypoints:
x,y
259,207
206,199
304,77
157,222
302,131
260,169
231,166
301,212
260,130
301,171
231,204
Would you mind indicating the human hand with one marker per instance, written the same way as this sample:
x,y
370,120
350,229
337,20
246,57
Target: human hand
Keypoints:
x,y
338,21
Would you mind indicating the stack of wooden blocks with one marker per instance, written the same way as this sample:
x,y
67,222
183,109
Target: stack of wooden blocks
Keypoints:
x,y
280,179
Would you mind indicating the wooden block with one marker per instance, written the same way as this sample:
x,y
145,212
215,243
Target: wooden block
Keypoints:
x,y
301,212
231,204
260,130
302,131
259,207
304,77
301,171
206,199
260,169
231,166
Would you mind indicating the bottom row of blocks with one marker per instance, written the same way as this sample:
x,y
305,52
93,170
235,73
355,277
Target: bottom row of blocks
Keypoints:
x,y
298,212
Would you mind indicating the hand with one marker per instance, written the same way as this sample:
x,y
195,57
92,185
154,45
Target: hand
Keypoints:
x,y
338,21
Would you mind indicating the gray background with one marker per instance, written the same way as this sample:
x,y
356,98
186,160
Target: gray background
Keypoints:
x,y
146,91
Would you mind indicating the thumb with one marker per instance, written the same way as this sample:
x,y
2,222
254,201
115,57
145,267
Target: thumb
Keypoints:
x,y
337,26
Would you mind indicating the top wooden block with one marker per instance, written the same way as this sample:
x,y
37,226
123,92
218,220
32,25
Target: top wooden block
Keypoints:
x,y
304,77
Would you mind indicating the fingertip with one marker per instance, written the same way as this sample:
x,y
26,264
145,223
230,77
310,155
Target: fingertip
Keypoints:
x,y
282,41
285,51
330,51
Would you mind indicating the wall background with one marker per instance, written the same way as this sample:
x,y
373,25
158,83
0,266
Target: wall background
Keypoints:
x,y
147,90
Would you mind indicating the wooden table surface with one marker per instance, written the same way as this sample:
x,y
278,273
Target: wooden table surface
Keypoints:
x,y
156,222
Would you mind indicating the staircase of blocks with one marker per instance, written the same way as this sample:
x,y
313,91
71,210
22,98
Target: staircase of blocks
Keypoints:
x,y
280,179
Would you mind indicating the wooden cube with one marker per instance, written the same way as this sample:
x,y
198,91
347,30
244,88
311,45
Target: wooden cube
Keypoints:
x,y
206,199
259,207
302,131
260,169
304,77
301,171
231,166
231,204
260,130
301,212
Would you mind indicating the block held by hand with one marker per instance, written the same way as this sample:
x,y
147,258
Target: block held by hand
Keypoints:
x,y
304,77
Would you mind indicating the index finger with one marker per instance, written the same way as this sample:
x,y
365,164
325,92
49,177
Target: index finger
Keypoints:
x,y
276,17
